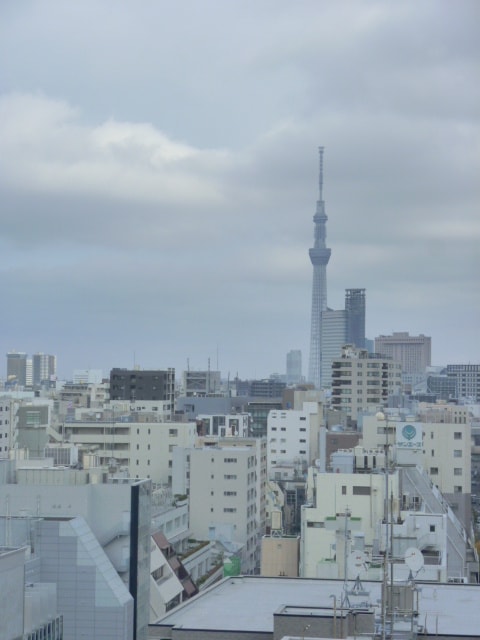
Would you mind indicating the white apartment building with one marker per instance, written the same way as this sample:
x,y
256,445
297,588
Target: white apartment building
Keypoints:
x,y
222,425
224,500
293,436
144,449
344,534
329,497
361,381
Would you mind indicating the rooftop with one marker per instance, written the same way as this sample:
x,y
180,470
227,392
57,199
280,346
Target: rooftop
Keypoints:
x,y
445,609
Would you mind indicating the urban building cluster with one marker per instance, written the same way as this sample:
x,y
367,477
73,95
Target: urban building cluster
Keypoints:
x,y
342,504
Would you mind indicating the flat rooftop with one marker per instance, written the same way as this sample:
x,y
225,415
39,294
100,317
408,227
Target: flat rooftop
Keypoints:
x,y
446,609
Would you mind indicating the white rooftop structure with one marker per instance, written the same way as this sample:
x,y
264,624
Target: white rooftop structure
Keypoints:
x,y
443,609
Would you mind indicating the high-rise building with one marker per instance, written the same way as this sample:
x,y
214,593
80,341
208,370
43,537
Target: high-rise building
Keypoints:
x,y
294,366
44,368
17,367
413,352
355,308
319,256
334,338
341,327
467,378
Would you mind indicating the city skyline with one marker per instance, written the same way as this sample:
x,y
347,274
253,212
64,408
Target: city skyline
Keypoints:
x,y
160,182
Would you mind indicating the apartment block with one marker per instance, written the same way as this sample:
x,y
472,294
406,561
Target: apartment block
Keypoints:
x,y
361,380
223,498
144,449
138,384
293,437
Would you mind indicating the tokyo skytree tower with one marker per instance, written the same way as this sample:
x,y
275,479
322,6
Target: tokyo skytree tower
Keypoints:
x,y
319,255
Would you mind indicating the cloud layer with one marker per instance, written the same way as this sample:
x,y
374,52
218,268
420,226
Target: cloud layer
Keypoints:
x,y
159,177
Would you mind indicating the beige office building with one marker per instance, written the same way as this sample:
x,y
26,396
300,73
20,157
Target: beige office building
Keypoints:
x,y
413,352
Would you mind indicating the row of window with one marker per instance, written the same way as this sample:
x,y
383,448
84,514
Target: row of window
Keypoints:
x,y
457,471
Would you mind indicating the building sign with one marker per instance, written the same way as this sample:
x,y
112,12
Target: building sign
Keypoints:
x,y
409,435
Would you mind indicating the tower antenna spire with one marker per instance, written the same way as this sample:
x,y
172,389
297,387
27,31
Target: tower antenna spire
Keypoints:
x,y
319,257
320,173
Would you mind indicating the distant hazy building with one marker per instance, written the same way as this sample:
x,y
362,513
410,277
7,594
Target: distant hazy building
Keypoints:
x,y
413,352
294,366
334,337
137,384
341,327
87,376
467,380
44,368
265,388
17,365
355,310
201,383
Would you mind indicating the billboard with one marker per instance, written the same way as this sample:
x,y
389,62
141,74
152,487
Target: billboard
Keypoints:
x,y
409,435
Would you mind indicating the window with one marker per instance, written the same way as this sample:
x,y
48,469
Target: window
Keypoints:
x,y
432,528
434,471
457,453
302,440
229,493
229,510
229,477
303,418
230,460
433,453
361,491
457,435
173,432
457,471
457,489
344,489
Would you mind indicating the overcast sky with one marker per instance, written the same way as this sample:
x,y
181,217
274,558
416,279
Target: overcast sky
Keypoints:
x,y
159,175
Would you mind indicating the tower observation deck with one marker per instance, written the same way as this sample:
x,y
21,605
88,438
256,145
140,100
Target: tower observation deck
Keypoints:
x,y
319,256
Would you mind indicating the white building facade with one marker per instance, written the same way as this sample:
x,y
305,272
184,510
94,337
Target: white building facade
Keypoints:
x,y
293,436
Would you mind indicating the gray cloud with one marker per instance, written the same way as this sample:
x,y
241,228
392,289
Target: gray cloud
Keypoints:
x,y
158,175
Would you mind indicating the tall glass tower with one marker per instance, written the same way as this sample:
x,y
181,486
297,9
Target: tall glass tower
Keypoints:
x,y
319,255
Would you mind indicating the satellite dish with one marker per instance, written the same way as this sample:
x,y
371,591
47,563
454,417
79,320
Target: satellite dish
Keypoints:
x,y
357,562
414,559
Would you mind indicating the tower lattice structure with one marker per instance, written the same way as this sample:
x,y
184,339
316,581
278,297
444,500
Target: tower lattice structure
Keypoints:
x,y
319,256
